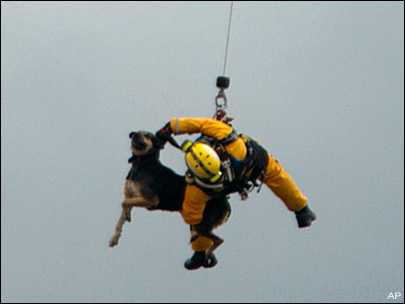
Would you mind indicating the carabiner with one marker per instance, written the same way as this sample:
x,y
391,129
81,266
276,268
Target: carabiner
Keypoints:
x,y
221,95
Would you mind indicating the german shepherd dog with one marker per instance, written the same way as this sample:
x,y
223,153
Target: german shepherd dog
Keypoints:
x,y
151,185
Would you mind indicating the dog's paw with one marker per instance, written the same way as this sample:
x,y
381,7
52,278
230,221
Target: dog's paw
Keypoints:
x,y
114,240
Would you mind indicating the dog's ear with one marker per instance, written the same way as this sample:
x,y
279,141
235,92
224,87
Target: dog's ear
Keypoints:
x,y
131,134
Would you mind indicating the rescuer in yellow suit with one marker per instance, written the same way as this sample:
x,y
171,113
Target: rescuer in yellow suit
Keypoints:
x,y
221,162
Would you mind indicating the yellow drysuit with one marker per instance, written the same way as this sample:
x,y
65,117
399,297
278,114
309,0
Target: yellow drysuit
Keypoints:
x,y
276,178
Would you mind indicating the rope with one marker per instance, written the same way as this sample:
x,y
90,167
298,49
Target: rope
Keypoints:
x,y
223,81
228,38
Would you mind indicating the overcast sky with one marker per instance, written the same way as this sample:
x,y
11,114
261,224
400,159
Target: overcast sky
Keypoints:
x,y
320,85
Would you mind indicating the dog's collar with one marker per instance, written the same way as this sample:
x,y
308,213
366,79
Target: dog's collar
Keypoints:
x,y
144,159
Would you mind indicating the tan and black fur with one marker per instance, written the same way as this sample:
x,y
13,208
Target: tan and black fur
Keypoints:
x,y
151,185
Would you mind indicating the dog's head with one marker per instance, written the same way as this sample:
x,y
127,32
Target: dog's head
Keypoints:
x,y
142,143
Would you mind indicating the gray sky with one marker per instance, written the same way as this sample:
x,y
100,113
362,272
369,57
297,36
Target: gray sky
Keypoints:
x,y
320,85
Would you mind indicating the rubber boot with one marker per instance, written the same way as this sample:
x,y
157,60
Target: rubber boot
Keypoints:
x,y
210,261
196,261
305,217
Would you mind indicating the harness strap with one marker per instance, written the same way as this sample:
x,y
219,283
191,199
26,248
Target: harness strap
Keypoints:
x,y
252,167
256,161
215,142
191,179
230,138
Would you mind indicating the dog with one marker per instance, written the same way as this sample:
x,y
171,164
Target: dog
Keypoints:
x,y
151,185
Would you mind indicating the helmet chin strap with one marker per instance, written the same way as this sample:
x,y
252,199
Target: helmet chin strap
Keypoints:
x,y
190,179
208,186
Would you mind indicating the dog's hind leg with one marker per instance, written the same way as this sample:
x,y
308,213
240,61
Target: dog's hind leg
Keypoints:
x,y
217,241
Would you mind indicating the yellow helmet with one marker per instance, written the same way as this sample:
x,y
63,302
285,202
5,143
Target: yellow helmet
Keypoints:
x,y
202,161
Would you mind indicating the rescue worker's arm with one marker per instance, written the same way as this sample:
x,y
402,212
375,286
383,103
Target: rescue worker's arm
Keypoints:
x,y
206,126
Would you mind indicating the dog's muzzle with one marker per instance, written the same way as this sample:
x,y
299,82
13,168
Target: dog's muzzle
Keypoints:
x,y
137,141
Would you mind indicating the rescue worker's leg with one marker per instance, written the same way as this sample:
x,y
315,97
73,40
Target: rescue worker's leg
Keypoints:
x,y
192,211
203,214
217,211
199,258
283,186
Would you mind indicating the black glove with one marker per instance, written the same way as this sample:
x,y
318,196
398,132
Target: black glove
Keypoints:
x,y
305,217
163,135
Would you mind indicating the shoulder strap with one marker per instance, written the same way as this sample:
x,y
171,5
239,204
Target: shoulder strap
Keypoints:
x,y
215,142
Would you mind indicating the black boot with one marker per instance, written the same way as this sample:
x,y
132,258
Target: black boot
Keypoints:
x,y
210,261
196,261
305,217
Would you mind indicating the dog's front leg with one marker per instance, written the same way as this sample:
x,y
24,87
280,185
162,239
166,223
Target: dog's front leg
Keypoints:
x,y
138,201
127,206
118,228
127,211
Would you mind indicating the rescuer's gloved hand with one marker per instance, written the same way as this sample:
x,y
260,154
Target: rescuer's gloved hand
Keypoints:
x,y
163,135
305,217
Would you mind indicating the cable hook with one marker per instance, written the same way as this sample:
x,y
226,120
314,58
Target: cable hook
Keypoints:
x,y
221,96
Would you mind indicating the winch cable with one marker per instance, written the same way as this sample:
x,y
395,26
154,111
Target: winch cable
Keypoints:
x,y
223,82
228,38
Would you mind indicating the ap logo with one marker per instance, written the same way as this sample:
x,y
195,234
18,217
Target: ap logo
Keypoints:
x,y
395,295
